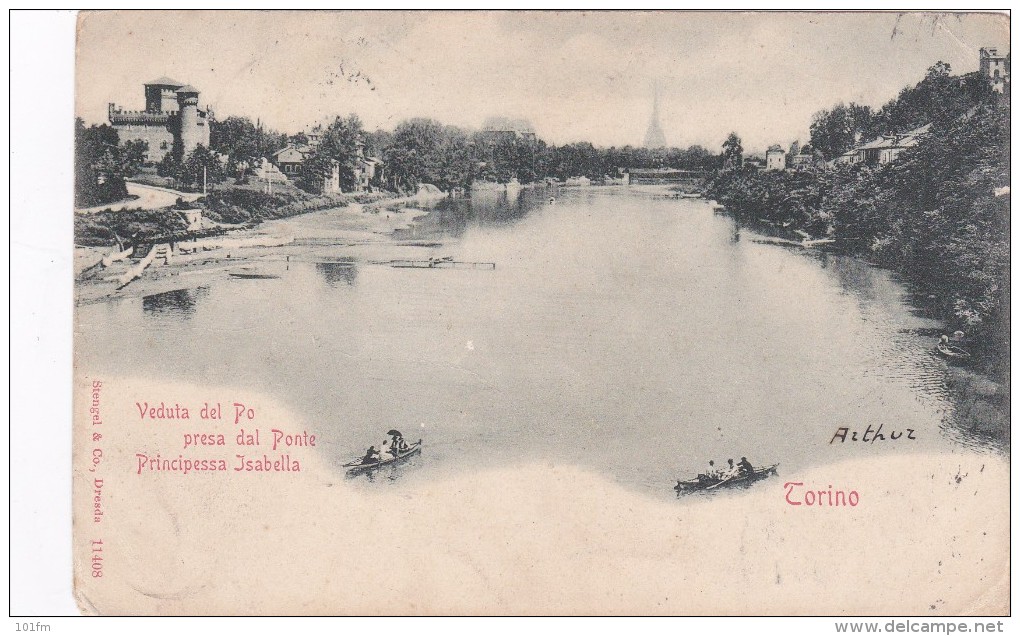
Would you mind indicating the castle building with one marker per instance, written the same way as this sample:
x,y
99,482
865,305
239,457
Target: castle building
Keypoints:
x,y
995,67
171,121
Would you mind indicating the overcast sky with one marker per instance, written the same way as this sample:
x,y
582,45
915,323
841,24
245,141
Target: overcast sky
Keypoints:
x,y
575,76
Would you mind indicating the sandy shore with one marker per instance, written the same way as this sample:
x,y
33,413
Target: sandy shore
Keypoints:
x,y
929,536
362,232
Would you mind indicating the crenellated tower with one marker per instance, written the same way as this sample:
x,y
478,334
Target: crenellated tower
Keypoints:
x,y
170,123
187,101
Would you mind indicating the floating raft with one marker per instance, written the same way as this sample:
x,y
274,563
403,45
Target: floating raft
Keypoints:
x,y
436,264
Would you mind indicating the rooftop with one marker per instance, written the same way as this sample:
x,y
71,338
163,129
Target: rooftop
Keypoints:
x,y
165,81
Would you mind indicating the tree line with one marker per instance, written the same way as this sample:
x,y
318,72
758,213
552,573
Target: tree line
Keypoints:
x,y
418,150
938,214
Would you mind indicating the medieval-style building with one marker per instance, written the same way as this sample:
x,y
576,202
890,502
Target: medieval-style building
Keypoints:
x,y
995,67
171,121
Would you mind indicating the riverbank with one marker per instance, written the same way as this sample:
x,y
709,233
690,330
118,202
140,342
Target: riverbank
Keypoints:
x,y
981,391
355,231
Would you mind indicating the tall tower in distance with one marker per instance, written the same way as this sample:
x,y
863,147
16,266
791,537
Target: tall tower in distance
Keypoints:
x,y
655,138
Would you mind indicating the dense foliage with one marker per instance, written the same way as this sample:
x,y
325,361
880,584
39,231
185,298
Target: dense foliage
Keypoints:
x,y
426,151
243,142
939,97
101,164
938,214
201,168
338,146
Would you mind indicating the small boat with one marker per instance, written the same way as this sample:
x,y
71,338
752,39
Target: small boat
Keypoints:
x,y
704,482
251,274
358,468
953,354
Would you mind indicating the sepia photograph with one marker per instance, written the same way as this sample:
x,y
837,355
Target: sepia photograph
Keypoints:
x,y
678,313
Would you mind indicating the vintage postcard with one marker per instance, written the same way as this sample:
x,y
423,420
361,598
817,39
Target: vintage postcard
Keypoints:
x,y
438,312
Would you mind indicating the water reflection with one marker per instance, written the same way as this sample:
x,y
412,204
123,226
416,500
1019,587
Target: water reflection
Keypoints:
x,y
854,275
179,302
338,273
483,208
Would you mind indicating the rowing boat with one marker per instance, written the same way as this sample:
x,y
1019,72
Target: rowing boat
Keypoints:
x,y
357,467
704,482
954,354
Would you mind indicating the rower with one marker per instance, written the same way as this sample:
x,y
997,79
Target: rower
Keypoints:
x,y
730,471
745,466
371,456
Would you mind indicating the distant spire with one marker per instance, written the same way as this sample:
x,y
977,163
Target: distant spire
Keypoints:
x,y
655,138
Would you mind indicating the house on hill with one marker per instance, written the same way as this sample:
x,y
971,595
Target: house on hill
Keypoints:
x,y
290,162
290,159
775,158
884,149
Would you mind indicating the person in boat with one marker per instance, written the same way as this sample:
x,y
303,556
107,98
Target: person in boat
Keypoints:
x,y
711,474
398,444
371,456
730,471
745,467
944,340
387,450
958,337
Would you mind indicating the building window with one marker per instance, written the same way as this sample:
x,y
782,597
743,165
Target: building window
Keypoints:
x,y
996,73
164,146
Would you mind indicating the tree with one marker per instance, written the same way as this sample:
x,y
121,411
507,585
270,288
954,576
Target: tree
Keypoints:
x,y
243,142
733,152
836,131
102,164
792,152
425,151
341,146
199,168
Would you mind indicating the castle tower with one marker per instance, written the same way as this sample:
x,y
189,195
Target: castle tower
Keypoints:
x,y
995,67
192,126
161,95
655,138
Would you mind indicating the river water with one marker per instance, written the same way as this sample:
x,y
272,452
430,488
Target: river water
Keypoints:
x,y
629,334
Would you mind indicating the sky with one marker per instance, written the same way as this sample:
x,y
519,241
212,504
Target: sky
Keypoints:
x,y
577,76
